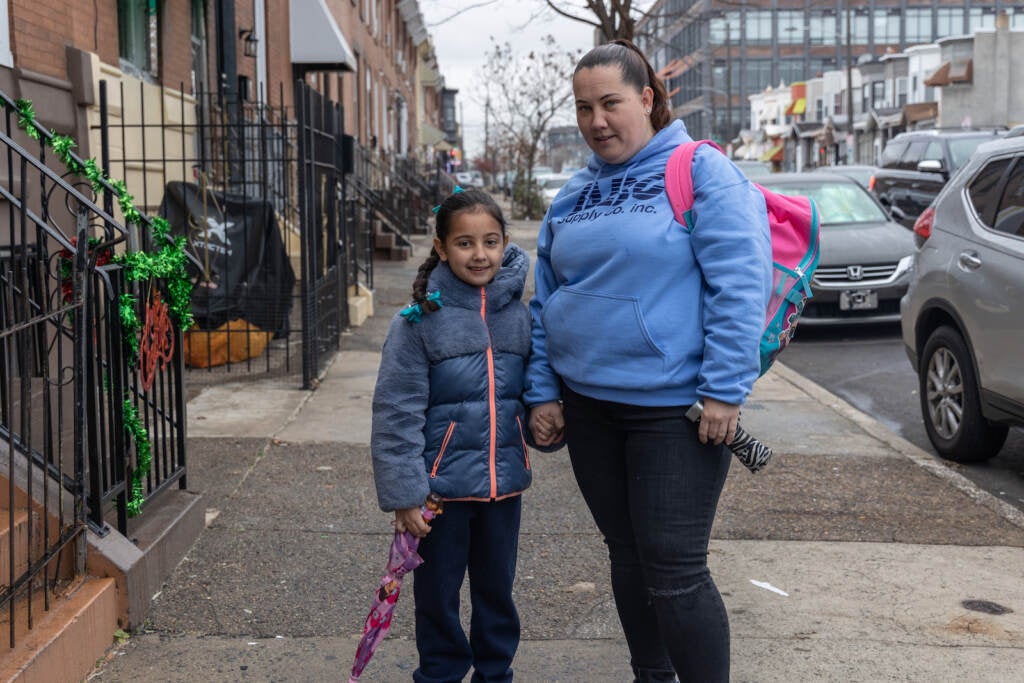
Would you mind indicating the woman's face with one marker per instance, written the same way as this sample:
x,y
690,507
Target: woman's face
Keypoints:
x,y
612,115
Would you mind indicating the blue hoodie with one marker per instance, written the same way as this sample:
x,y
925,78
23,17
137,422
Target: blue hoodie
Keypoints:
x,y
629,306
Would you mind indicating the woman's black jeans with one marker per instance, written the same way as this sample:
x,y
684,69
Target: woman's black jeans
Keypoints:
x,y
653,489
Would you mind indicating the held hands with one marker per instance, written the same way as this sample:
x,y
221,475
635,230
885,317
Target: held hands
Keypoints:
x,y
411,520
718,422
547,423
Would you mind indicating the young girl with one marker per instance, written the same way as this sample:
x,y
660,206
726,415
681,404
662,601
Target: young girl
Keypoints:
x,y
448,418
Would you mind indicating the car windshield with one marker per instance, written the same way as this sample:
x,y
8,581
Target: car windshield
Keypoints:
x,y
554,183
961,149
837,202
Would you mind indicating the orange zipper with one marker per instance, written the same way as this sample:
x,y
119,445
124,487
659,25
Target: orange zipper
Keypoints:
x,y
490,394
444,446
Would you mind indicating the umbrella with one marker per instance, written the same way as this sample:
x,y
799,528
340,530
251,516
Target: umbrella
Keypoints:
x,y
402,559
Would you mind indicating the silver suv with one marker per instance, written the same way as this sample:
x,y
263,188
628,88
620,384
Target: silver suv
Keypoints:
x,y
963,316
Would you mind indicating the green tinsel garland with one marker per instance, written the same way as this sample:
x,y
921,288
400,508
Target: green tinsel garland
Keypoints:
x,y
143,457
168,263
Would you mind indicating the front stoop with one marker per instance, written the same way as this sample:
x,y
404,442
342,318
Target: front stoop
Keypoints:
x,y
66,641
160,538
360,304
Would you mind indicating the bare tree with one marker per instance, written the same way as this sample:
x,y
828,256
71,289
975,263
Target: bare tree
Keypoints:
x,y
614,19
526,94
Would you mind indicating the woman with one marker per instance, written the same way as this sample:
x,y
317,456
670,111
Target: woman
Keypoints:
x,y
635,319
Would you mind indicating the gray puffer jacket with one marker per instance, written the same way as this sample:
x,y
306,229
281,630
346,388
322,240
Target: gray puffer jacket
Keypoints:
x,y
447,410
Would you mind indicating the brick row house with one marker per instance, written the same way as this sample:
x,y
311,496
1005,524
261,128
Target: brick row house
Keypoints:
x,y
330,117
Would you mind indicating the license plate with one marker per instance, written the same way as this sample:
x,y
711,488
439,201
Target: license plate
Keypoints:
x,y
858,300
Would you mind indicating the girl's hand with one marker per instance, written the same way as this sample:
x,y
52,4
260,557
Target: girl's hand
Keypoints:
x,y
718,422
411,520
547,423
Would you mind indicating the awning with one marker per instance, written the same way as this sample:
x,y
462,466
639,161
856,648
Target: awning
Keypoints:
x,y
430,135
961,71
316,40
888,119
940,77
920,111
774,153
799,106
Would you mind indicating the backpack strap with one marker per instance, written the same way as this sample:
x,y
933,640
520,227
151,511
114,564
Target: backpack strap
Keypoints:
x,y
679,180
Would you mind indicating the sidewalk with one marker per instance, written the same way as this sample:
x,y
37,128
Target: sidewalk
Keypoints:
x,y
863,546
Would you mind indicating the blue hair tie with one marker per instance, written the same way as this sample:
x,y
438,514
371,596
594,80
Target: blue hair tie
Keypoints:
x,y
454,192
414,312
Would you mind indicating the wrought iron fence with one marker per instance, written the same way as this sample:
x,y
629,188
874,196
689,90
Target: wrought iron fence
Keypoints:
x,y
224,174
66,388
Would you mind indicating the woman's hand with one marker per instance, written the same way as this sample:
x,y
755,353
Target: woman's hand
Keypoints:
x,y
718,422
411,520
547,423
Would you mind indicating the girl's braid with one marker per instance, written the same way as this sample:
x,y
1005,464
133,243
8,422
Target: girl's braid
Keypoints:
x,y
419,285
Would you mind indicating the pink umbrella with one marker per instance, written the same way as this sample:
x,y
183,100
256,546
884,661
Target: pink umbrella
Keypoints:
x,y
402,559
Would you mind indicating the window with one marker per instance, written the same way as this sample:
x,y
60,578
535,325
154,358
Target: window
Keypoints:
x,y
791,26
759,26
934,152
911,158
6,58
822,28
983,188
981,17
892,152
950,21
1010,215
724,26
901,91
878,94
137,35
1016,17
887,28
918,24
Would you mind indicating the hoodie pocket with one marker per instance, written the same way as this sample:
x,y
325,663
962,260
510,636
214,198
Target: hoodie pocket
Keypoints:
x,y
601,339
440,452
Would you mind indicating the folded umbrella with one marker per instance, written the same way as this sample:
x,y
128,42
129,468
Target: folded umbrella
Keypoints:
x,y
402,559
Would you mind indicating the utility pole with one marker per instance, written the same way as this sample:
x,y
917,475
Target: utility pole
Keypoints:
x,y
728,88
849,86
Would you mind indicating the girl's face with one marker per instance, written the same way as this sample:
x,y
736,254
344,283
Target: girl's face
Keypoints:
x,y
612,115
474,247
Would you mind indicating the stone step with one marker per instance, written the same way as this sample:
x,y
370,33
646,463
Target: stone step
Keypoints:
x,y
65,641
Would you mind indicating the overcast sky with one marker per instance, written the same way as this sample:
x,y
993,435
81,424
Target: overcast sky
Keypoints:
x,y
462,40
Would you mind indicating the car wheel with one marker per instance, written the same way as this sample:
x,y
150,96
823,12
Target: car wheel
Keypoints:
x,y
951,403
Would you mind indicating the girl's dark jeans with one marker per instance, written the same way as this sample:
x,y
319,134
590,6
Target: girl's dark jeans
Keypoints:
x,y
653,489
482,538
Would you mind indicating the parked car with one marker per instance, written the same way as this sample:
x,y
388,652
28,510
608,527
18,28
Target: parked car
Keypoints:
x,y
464,179
963,316
551,185
859,172
753,169
864,268
917,164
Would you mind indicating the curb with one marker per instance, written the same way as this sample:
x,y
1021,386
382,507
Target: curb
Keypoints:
x,y
933,463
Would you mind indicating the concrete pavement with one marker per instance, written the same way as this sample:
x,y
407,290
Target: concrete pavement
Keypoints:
x,y
849,558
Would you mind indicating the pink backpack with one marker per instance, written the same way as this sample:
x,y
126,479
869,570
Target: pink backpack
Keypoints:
x,y
793,222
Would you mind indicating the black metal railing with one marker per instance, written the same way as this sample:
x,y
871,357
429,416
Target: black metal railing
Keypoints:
x,y
65,383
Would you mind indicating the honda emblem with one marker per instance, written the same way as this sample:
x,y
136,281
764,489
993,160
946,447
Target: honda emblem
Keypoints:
x,y
855,272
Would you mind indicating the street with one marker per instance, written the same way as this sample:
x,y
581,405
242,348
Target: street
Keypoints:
x,y
868,367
